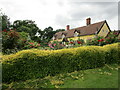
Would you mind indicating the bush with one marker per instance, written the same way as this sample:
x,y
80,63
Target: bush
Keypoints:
x,y
31,44
13,41
9,39
24,37
80,41
10,51
100,41
112,53
28,64
56,45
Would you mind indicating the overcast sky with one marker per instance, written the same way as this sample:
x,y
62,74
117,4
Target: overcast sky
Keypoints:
x,y
59,13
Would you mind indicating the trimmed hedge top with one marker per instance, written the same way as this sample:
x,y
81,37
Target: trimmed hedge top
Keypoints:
x,y
35,63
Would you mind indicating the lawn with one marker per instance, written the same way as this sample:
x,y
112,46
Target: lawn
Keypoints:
x,y
104,77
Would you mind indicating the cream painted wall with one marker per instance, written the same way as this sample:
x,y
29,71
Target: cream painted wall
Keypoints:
x,y
83,37
104,30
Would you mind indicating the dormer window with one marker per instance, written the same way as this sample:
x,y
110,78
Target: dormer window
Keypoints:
x,y
76,34
63,36
53,38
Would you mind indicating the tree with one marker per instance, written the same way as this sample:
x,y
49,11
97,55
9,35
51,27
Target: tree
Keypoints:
x,y
9,39
5,22
27,26
48,33
58,30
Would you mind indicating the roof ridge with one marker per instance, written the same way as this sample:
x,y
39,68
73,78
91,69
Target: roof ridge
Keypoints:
x,y
90,24
85,30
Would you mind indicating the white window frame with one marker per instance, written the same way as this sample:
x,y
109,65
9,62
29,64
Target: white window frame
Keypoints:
x,y
53,38
76,34
63,36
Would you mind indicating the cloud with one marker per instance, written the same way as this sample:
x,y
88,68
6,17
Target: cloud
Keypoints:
x,y
98,11
94,9
94,0
59,13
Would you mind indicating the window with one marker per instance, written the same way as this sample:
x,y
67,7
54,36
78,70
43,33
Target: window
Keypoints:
x,y
76,34
53,38
63,36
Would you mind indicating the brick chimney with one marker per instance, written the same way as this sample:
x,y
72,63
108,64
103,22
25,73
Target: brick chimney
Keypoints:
x,y
68,27
88,21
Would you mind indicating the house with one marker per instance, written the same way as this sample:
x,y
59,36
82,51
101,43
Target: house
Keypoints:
x,y
117,33
85,32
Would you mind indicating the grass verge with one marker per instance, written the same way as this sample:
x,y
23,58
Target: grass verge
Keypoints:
x,y
104,77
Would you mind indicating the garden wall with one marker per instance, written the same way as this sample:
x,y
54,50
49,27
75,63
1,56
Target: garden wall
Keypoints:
x,y
33,63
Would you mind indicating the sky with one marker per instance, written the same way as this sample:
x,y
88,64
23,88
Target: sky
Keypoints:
x,y
59,13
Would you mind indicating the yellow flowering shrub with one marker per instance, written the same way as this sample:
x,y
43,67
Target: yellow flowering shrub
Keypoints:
x,y
34,63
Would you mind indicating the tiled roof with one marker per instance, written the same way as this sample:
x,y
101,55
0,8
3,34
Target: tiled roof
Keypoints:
x,y
84,30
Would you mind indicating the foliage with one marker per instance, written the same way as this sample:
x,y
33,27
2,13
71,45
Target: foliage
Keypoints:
x,y
29,64
13,41
36,39
27,26
77,79
47,34
75,43
58,30
56,45
112,53
31,44
9,39
111,38
80,41
5,22
24,37
100,41
10,51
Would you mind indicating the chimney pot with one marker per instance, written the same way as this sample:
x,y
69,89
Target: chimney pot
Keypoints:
x,y
68,27
88,21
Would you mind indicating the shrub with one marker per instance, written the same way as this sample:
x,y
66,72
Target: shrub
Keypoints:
x,y
10,51
28,64
56,45
80,41
111,38
9,39
13,41
112,53
24,37
99,41
31,44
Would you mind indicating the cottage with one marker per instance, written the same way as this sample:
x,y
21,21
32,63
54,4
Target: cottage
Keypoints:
x,y
117,33
85,32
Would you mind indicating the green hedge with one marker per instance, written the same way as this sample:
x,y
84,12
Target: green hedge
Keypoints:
x,y
35,63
